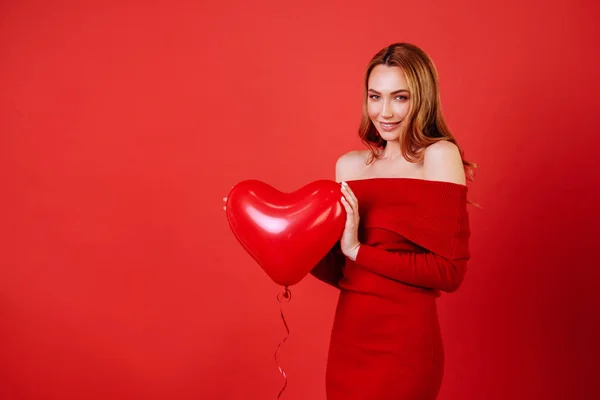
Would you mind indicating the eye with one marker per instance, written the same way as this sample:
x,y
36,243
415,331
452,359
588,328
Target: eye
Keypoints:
x,y
402,98
373,96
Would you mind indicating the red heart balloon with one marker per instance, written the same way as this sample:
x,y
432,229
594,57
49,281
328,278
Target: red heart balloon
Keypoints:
x,y
287,234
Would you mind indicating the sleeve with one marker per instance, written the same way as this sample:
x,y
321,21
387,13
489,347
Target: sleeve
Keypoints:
x,y
330,268
428,270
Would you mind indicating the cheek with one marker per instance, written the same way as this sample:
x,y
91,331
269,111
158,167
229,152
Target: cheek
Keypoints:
x,y
373,110
401,109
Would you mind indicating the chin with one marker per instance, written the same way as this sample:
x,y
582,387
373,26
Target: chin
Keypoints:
x,y
389,136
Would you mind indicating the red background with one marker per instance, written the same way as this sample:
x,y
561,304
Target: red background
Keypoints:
x,y
123,125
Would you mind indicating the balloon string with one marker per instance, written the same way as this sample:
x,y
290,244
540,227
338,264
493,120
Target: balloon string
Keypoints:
x,y
283,297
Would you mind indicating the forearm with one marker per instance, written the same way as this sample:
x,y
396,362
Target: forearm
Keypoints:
x,y
330,268
427,270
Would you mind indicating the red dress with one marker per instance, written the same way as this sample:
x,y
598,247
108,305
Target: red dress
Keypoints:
x,y
386,342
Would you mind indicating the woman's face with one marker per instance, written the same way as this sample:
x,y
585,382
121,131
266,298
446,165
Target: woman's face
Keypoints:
x,y
388,100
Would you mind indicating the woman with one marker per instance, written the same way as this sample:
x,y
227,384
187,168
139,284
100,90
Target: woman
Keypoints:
x,y
405,239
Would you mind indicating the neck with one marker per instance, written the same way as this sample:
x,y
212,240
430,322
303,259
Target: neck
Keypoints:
x,y
393,150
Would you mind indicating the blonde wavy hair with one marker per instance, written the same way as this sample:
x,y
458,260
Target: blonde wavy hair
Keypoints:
x,y
424,123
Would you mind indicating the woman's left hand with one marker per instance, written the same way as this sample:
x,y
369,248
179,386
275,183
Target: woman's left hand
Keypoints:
x,y
349,241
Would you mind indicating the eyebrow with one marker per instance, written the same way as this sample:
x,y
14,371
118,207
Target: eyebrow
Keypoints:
x,y
394,92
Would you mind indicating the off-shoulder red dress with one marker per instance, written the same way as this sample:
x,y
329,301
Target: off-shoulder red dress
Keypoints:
x,y
386,342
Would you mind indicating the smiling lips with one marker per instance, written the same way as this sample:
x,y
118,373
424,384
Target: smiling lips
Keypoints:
x,y
388,126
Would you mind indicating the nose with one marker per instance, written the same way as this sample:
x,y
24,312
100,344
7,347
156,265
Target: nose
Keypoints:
x,y
386,111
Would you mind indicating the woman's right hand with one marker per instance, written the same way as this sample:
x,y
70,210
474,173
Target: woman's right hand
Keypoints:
x,y
225,201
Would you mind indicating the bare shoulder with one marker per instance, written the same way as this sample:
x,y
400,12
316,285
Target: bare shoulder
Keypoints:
x,y
349,165
442,162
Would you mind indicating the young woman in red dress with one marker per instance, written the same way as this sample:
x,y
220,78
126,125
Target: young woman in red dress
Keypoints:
x,y
405,239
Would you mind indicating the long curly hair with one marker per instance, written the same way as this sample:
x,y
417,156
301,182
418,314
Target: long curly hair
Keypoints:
x,y
424,123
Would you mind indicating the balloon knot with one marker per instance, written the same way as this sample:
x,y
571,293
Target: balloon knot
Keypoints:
x,y
285,296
